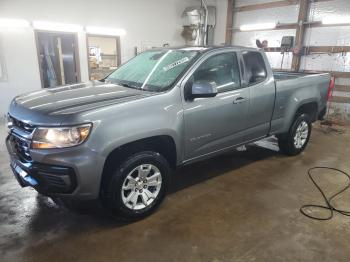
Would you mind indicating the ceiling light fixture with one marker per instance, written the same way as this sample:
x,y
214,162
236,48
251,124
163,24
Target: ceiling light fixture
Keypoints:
x,y
261,26
50,26
105,31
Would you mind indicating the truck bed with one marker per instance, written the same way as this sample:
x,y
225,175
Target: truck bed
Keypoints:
x,y
294,88
282,75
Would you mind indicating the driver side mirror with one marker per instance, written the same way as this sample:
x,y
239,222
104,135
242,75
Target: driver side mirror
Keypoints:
x,y
201,89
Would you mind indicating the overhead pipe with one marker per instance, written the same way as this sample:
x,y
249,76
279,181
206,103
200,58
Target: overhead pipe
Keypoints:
x,y
204,4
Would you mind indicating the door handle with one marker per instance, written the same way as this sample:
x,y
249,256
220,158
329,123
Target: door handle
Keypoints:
x,y
239,99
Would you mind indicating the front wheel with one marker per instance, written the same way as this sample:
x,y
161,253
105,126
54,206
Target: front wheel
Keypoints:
x,y
295,141
138,185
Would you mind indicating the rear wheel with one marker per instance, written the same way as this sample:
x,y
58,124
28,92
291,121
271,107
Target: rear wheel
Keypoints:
x,y
295,141
138,185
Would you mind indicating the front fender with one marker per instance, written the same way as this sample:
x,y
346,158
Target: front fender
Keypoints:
x,y
110,147
159,115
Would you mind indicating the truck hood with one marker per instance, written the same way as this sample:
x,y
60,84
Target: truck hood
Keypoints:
x,y
66,100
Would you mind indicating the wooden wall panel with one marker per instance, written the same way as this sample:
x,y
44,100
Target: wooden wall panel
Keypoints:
x,y
229,22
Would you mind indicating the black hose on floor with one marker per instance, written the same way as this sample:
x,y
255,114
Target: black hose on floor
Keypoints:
x,y
328,201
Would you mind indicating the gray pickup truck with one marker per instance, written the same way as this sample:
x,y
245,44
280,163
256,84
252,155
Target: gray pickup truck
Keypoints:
x,y
118,139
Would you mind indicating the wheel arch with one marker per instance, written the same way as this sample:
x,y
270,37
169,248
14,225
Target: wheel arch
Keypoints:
x,y
309,108
293,110
162,144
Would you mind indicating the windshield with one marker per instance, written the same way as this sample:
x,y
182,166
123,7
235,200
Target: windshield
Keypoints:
x,y
155,70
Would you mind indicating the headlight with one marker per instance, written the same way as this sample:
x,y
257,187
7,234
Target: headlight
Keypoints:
x,y
9,121
60,137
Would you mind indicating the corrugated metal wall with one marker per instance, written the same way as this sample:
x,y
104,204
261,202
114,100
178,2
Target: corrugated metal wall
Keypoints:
x,y
314,36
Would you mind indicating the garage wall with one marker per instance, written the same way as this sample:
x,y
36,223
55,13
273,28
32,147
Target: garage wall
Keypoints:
x,y
321,36
22,70
147,23
286,14
331,36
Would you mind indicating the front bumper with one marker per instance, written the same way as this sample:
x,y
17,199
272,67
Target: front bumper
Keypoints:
x,y
70,173
46,179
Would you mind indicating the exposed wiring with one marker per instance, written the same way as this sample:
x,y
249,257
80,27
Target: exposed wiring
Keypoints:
x,y
328,201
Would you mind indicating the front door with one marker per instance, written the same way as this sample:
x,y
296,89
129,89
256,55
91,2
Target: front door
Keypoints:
x,y
212,124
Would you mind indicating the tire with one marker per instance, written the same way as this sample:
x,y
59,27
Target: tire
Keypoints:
x,y
131,194
297,138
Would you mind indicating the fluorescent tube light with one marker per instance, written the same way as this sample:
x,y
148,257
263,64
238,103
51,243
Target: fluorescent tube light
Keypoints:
x,y
13,23
105,31
261,26
333,20
41,25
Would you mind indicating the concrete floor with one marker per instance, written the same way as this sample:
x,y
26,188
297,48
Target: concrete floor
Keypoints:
x,y
243,206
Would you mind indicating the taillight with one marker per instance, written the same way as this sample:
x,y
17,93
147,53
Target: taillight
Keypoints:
x,y
330,88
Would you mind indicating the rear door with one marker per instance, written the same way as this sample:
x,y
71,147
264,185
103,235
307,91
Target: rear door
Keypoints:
x,y
212,124
261,83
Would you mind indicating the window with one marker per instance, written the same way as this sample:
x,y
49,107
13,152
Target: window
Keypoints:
x,y
154,70
254,67
104,55
58,62
222,70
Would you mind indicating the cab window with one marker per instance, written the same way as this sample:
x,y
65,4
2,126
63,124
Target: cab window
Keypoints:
x,y
254,67
221,70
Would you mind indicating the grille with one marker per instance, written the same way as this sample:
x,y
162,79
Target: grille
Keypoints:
x,y
21,125
21,148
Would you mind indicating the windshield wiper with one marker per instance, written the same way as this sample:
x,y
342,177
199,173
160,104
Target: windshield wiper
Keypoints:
x,y
124,84
128,85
